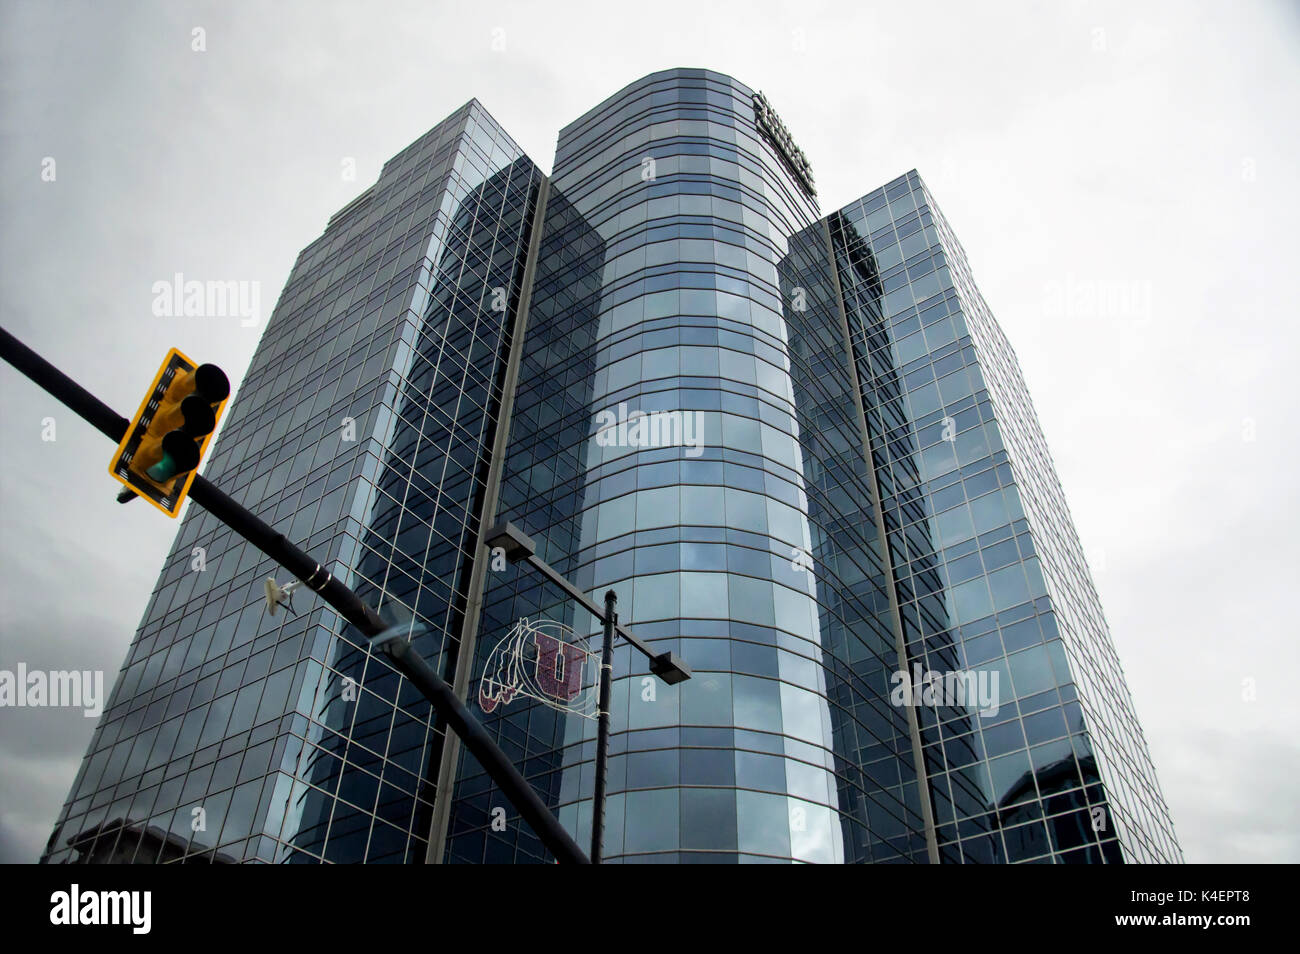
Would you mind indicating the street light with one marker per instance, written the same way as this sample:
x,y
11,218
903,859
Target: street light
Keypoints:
x,y
518,547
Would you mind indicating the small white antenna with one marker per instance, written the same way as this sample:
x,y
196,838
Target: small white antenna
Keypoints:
x,y
277,595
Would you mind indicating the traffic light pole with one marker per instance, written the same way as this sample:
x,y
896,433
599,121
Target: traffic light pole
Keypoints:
x,y
274,544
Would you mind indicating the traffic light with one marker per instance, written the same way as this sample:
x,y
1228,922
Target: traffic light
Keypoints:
x,y
166,440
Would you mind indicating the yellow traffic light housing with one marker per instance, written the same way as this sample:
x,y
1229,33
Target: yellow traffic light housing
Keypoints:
x,y
168,436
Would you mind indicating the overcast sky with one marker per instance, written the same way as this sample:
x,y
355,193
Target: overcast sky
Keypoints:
x,y
1122,176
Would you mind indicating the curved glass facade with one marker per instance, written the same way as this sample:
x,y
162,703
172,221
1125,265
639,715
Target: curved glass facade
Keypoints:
x,y
748,551
798,448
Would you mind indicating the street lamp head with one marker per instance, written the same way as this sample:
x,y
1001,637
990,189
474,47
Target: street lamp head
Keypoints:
x,y
670,667
516,544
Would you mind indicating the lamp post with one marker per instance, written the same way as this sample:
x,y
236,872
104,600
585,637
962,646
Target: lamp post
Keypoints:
x,y
519,548
602,729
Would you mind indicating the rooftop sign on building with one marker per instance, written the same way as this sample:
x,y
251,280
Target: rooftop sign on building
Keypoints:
x,y
776,132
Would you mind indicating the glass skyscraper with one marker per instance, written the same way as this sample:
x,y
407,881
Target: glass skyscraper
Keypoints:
x,y
860,515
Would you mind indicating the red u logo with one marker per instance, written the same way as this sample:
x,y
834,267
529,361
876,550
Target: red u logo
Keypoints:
x,y
559,668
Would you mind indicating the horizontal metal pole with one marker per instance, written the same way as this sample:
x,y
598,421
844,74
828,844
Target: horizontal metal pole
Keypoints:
x,y
549,572
69,392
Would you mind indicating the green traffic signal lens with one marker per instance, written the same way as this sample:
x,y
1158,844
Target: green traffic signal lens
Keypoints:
x,y
179,454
